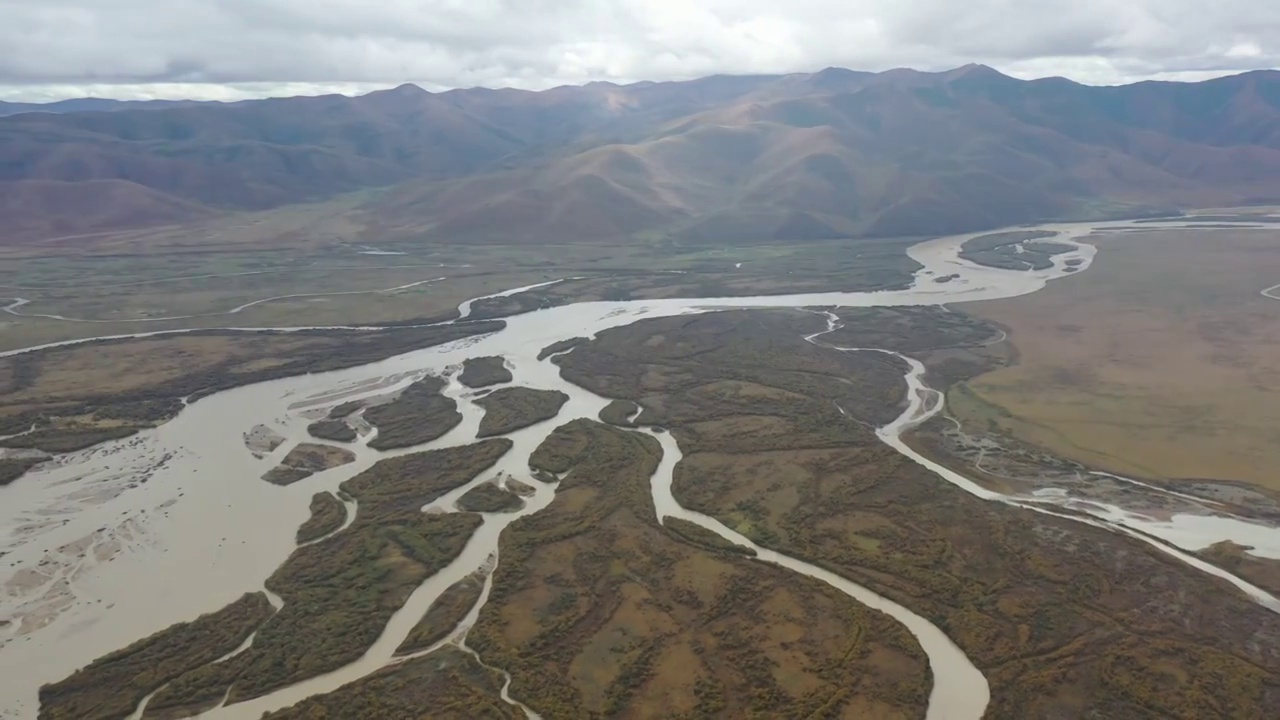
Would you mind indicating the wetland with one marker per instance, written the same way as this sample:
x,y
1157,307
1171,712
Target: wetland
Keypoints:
x,y
800,480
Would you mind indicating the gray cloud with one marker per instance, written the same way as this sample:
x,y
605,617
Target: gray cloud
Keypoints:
x,y
239,48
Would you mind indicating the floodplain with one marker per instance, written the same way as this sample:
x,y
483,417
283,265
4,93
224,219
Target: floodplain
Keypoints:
x,y
1161,361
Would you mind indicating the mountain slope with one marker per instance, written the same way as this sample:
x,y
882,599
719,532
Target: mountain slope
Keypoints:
x,y
88,105
51,209
910,154
720,159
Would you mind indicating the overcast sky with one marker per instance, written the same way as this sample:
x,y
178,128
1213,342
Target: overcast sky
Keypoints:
x,y
223,49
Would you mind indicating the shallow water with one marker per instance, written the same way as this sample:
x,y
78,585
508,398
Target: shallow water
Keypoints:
x,y
122,540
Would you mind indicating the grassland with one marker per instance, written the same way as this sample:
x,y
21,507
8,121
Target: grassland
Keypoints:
x,y
418,415
112,686
511,408
1161,361
1064,619
484,371
327,514
599,611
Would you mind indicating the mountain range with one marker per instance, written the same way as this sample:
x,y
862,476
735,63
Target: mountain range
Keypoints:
x,y
836,153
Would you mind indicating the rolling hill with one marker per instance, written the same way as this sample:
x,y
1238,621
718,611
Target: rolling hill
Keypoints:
x,y
89,104
719,159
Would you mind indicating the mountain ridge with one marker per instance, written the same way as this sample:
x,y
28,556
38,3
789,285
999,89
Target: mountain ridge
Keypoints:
x,y
722,158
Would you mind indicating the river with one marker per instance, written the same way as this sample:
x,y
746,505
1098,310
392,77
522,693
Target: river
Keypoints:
x,y
111,544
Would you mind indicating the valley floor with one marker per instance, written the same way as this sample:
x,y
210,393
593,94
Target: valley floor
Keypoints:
x,y
1162,361
691,514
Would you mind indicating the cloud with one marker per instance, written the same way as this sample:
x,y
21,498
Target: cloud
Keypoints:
x,y
238,48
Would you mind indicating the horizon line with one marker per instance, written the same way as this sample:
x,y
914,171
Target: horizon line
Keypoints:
x,y
372,87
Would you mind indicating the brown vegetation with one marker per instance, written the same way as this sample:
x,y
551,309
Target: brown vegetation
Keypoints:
x,y
560,346
489,498
444,614
328,513
334,426
699,535
69,436
1061,617
524,490
335,430
907,330
448,684
484,371
1013,250
13,468
598,611
511,408
419,415
345,409
111,687
305,460
619,412
1236,559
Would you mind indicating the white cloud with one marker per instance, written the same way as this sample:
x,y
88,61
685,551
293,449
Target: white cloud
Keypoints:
x,y
242,48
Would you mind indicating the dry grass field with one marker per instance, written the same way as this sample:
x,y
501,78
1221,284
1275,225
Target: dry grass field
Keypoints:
x,y
1162,360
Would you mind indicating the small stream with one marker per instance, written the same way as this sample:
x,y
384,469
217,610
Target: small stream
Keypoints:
x,y
179,524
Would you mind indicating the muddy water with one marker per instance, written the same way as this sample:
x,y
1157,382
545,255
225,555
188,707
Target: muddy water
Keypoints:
x,y
125,539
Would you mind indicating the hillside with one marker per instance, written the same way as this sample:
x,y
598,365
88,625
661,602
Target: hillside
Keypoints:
x,y
720,159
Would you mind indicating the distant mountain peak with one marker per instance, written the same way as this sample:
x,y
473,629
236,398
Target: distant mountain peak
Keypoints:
x,y
407,94
836,78
834,71
407,89
976,71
